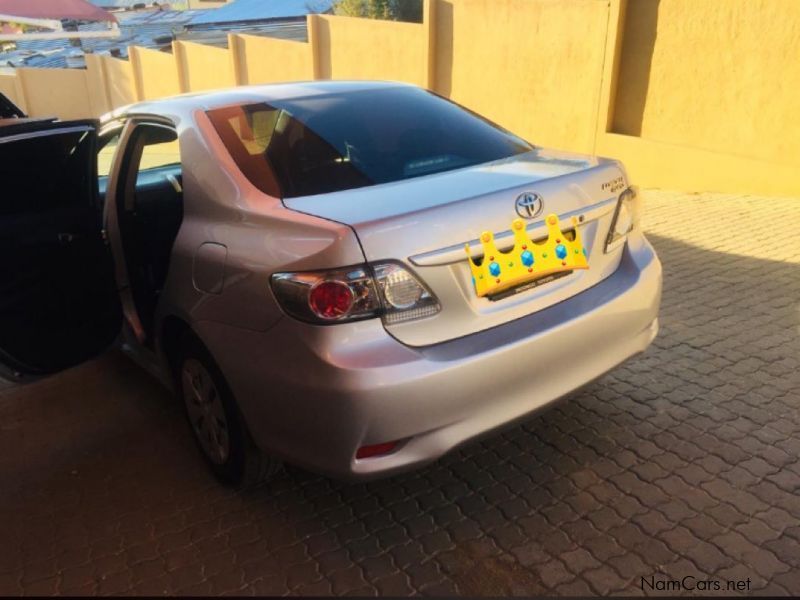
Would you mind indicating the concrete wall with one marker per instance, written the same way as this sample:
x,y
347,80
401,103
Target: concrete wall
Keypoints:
x,y
120,81
56,92
270,60
155,73
719,76
691,94
532,66
702,94
96,85
350,48
202,68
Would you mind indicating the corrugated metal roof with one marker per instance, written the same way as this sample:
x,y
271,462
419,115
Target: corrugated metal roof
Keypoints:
x,y
261,10
57,44
217,35
155,29
60,59
150,29
176,17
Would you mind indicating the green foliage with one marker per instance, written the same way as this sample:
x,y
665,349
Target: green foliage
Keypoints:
x,y
396,10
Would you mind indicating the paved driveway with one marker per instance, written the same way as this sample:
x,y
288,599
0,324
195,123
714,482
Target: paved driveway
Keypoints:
x,y
684,462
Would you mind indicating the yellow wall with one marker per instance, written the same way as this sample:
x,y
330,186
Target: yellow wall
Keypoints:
x,y
203,67
533,66
99,101
692,94
679,167
56,92
349,48
155,73
270,60
120,81
720,75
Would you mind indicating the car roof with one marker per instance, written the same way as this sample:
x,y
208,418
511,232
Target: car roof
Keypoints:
x,y
186,103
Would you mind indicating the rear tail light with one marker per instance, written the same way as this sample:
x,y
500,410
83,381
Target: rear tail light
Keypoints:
x,y
376,450
404,296
626,218
330,299
386,290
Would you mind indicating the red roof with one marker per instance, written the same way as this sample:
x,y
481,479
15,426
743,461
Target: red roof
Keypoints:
x,y
79,10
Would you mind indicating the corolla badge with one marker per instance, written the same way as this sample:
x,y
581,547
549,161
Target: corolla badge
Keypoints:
x,y
529,205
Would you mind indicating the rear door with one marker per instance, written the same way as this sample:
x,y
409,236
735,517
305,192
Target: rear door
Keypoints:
x,y
58,300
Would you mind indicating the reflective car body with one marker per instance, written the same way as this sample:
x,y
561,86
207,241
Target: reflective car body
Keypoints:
x,y
353,395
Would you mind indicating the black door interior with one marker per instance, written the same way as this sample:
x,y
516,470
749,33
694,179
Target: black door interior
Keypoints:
x,y
58,299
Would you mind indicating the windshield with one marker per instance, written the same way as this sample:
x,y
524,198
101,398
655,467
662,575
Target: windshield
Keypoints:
x,y
340,141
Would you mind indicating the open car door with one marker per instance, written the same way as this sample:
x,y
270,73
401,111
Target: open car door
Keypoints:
x,y
9,110
58,299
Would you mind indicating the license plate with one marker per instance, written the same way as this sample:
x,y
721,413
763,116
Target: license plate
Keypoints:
x,y
529,285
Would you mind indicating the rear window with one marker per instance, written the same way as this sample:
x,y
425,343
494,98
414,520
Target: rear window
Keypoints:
x,y
340,141
47,171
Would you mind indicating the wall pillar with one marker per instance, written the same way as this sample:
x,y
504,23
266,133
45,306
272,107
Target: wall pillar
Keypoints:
x,y
138,75
314,23
429,23
179,52
20,92
610,74
97,82
238,59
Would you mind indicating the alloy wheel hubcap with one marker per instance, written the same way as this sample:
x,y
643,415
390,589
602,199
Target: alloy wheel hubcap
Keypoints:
x,y
205,410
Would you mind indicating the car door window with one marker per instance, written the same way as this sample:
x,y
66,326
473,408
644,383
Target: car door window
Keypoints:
x,y
157,154
26,191
151,157
149,213
107,144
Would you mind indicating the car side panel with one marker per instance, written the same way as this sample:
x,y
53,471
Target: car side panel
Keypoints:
x,y
260,235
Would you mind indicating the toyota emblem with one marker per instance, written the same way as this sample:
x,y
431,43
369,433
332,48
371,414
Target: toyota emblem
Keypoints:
x,y
529,205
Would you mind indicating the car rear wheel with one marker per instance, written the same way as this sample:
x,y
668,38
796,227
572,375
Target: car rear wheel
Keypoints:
x,y
217,423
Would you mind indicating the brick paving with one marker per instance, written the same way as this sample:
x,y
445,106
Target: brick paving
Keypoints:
x,y
683,462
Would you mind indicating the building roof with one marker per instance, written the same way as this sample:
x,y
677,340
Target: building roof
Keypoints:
x,y
77,10
148,29
112,4
217,35
261,10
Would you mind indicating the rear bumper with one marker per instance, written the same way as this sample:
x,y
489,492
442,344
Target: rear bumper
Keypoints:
x,y
314,395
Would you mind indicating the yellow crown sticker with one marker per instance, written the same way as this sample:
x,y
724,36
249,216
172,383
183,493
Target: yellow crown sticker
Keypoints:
x,y
528,260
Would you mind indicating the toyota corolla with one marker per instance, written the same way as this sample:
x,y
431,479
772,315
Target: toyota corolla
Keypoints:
x,y
354,277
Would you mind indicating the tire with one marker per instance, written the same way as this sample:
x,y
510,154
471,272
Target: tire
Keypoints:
x,y
215,420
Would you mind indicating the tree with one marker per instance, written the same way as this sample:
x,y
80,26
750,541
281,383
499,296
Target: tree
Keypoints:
x,y
396,10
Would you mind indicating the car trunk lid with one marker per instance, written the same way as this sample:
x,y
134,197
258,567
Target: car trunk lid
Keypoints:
x,y
425,222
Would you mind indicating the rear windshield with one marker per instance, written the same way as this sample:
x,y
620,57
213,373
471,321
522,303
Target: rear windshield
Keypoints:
x,y
346,140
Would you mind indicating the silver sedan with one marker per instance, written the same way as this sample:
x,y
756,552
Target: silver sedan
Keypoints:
x,y
354,277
